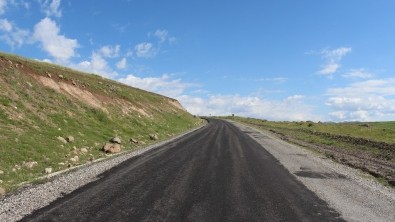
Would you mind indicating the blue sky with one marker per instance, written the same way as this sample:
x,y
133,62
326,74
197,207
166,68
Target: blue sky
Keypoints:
x,y
277,60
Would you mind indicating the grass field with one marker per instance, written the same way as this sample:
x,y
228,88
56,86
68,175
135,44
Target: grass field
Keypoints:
x,y
367,146
40,102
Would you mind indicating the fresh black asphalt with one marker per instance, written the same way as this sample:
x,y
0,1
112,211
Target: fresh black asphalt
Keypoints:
x,y
217,173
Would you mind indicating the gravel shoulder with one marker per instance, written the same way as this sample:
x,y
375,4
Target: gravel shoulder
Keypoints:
x,y
16,205
354,194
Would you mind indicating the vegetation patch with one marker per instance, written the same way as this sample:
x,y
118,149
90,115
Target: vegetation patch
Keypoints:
x,y
366,146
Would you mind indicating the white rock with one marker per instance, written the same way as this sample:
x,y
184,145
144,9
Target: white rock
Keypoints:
x,y
84,150
48,170
74,159
116,140
70,139
1,172
30,164
63,140
2,191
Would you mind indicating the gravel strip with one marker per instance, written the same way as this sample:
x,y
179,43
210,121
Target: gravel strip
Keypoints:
x,y
354,194
15,206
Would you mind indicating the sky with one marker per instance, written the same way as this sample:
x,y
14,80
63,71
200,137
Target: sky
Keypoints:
x,y
284,60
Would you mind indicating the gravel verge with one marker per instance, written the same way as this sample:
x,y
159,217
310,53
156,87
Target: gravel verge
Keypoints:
x,y
15,206
354,194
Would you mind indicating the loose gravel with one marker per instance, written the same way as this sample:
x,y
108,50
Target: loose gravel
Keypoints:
x,y
354,194
14,207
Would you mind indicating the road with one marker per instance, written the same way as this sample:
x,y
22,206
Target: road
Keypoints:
x,y
217,173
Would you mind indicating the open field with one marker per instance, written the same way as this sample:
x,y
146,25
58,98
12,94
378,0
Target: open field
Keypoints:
x,y
41,104
367,146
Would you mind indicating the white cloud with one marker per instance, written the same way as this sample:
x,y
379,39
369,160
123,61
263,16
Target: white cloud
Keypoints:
x,y
329,69
3,5
371,100
12,35
5,25
51,7
274,79
110,51
163,36
145,50
165,84
383,87
358,73
97,64
58,46
335,55
122,64
333,58
291,108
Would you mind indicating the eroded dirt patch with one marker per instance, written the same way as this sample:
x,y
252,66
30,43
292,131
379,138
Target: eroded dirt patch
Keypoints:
x,y
70,90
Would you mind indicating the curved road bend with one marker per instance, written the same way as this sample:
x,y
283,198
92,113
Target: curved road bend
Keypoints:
x,y
217,173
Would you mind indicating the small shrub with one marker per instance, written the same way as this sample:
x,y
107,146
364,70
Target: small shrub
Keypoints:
x,y
99,115
5,101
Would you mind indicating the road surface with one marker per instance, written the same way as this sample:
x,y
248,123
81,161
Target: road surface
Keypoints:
x,y
217,173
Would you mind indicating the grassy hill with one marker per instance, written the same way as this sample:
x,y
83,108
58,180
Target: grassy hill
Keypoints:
x,y
41,104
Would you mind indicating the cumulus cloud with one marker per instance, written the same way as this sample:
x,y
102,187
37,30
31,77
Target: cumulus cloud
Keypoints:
x,y
329,69
335,54
3,5
5,25
384,87
145,50
358,73
274,79
333,58
165,84
56,45
110,51
122,64
291,108
51,8
370,100
12,35
163,36
97,64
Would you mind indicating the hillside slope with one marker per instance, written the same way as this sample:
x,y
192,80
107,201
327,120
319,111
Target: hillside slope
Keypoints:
x,y
41,104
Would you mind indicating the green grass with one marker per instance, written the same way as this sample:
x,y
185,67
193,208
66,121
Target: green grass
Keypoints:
x,y
33,116
349,136
340,141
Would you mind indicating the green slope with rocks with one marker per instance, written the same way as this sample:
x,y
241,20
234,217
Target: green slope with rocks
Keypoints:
x,y
52,118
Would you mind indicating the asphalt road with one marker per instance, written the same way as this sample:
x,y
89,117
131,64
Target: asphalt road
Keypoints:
x,y
217,173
